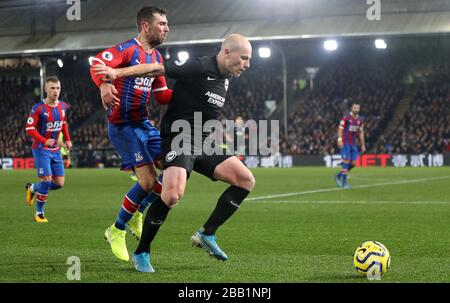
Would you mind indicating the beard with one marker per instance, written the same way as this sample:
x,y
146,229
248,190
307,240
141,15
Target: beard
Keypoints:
x,y
155,40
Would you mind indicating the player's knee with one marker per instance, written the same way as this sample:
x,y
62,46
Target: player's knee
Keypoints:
x,y
247,181
146,184
46,179
59,183
171,197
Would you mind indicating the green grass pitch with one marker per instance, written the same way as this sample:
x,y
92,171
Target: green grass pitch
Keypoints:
x,y
294,227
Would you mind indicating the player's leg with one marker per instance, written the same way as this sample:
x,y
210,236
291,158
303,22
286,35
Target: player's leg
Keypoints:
x,y
146,176
174,182
242,182
232,171
155,193
133,217
58,171
43,188
344,172
341,177
115,234
54,181
57,182
353,157
39,190
151,140
133,154
41,164
351,162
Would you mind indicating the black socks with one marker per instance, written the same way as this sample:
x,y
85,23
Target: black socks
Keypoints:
x,y
156,214
227,205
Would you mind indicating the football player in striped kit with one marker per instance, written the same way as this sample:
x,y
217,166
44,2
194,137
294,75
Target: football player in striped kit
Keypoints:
x,y
45,122
350,127
137,141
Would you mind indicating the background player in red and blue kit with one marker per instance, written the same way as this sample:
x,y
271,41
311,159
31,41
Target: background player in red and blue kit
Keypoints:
x,y
349,128
47,119
130,131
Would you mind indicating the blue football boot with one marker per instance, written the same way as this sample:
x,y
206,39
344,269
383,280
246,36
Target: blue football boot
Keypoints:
x,y
208,243
142,262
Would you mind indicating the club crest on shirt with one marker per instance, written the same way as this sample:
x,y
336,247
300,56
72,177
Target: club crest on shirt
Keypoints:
x,y
227,83
138,157
170,156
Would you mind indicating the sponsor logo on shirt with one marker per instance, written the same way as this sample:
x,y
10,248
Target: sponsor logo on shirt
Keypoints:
x,y
143,84
54,126
215,99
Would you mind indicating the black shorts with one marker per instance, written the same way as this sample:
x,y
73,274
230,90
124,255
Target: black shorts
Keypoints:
x,y
203,164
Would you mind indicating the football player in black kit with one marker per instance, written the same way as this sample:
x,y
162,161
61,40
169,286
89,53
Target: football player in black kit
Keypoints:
x,y
201,87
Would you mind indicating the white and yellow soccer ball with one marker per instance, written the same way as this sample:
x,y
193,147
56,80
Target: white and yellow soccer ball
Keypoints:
x,y
371,259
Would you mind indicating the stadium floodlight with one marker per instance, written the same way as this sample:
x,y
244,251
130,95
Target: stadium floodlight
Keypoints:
x,y
183,56
380,44
60,63
264,52
330,45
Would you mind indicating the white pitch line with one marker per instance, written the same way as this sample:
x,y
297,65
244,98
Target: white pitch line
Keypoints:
x,y
315,191
353,202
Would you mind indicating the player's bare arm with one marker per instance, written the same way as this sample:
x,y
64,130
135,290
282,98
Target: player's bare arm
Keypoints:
x,y
361,140
340,143
141,70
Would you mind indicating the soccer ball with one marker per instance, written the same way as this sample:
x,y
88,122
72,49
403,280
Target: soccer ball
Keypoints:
x,y
371,258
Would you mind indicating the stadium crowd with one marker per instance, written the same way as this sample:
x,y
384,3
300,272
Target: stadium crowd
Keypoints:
x,y
312,129
424,127
18,95
312,126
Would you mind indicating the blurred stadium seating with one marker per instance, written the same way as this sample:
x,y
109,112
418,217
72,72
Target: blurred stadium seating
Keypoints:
x,y
403,90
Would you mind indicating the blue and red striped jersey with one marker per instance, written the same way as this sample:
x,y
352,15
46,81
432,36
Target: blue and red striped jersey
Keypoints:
x,y
46,122
134,93
351,126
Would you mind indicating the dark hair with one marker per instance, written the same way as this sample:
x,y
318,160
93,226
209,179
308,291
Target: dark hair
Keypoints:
x,y
52,79
146,14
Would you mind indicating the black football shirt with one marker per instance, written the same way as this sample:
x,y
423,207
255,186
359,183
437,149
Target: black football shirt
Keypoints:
x,y
199,88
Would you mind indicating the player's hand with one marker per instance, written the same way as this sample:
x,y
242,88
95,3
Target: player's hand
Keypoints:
x,y
107,72
108,94
340,144
363,149
50,142
68,145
